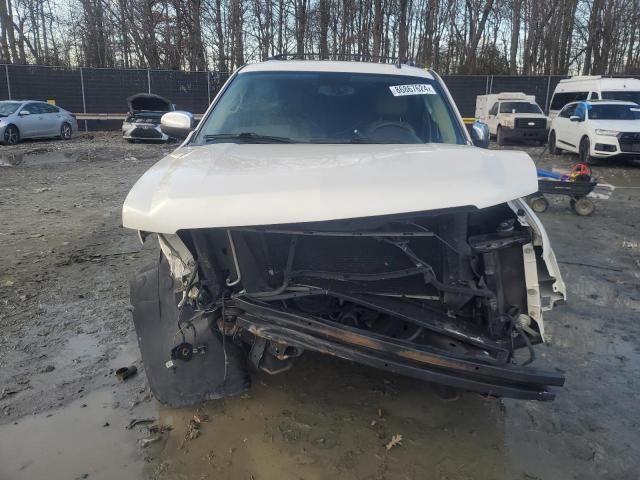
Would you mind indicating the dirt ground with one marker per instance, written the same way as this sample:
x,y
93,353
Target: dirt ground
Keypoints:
x,y
65,326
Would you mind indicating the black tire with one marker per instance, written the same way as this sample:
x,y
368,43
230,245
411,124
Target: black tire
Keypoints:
x,y
11,135
500,136
583,206
538,204
552,144
584,149
66,131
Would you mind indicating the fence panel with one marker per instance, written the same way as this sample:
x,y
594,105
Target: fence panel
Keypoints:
x,y
37,82
216,81
187,90
534,85
106,89
464,90
4,91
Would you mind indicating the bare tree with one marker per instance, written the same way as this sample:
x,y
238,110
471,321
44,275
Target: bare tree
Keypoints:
x,y
453,36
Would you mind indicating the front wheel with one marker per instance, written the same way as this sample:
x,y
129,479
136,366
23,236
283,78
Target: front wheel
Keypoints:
x,y
500,137
585,152
65,131
11,135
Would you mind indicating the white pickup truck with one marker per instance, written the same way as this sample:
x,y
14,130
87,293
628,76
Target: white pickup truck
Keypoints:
x,y
512,116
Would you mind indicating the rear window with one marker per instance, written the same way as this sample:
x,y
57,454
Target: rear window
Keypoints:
x,y
559,100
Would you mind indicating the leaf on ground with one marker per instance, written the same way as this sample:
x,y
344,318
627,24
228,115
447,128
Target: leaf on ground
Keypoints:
x,y
396,441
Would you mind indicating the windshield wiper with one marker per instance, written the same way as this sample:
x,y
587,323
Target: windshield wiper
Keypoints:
x,y
247,137
361,140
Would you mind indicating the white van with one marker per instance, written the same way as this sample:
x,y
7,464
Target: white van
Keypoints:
x,y
512,116
581,88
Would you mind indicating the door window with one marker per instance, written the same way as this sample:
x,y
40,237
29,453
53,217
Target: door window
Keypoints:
x,y
494,109
580,111
47,108
568,110
32,108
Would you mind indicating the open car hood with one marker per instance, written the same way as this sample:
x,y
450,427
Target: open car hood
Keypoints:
x,y
224,185
148,102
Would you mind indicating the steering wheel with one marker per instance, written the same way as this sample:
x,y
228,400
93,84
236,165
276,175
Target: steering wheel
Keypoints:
x,y
392,128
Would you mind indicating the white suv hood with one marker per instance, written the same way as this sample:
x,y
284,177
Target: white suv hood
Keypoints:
x,y
224,185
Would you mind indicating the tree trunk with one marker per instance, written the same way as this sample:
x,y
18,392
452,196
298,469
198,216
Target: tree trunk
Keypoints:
x,y
403,39
515,36
324,28
301,24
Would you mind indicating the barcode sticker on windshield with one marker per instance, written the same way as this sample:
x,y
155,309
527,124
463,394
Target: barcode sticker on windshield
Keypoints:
x,y
416,89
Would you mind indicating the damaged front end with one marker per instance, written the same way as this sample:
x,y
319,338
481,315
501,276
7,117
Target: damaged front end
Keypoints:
x,y
451,296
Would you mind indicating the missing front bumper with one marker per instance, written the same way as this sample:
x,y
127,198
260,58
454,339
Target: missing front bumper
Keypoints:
x,y
310,333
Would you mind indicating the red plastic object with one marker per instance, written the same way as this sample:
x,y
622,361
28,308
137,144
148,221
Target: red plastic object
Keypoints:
x,y
580,170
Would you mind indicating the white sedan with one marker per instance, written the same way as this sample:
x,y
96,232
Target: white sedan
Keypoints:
x,y
597,130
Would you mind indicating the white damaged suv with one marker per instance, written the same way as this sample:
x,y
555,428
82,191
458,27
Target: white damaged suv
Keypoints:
x,y
340,207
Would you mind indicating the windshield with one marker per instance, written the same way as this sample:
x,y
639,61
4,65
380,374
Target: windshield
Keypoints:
x,y
519,107
7,108
626,96
328,107
614,112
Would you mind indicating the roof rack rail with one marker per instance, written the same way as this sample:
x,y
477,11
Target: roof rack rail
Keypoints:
x,y
352,57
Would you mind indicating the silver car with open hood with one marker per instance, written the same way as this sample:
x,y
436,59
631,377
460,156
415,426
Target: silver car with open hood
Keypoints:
x,y
143,119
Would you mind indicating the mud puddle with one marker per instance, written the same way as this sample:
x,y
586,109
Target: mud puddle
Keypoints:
x,y
88,437
329,418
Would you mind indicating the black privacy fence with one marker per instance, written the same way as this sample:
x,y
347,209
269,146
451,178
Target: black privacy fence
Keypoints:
x,y
104,90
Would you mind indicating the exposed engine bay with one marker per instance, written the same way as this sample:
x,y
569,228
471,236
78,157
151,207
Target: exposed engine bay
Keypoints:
x,y
451,296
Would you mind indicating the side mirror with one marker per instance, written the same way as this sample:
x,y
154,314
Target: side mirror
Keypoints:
x,y
480,134
177,124
24,113
575,118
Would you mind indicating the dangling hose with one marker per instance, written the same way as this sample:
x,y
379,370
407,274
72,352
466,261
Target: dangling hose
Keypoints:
x,y
513,315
